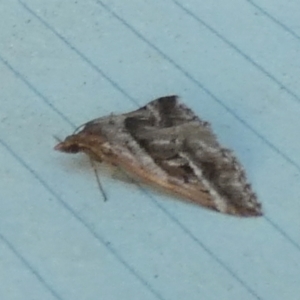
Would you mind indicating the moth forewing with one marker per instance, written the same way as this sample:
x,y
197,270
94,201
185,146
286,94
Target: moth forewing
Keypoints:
x,y
164,143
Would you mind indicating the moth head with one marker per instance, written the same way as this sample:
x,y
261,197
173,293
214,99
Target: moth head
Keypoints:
x,y
69,145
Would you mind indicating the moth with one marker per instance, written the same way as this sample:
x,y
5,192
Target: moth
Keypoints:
x,y
166,145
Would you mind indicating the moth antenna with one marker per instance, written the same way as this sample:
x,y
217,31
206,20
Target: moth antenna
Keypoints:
x,y
98,180
57,138
79,127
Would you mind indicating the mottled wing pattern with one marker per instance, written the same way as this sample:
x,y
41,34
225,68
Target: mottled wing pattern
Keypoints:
x,y
186,149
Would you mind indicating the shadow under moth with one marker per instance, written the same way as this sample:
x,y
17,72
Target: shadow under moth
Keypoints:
x,y
165,144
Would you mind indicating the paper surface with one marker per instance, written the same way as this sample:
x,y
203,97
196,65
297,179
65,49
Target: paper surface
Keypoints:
x,y
63,63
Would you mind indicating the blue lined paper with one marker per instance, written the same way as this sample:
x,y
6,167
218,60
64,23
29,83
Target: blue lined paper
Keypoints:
x,y
64,63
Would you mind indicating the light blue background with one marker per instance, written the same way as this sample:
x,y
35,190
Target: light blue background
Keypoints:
x,y
62,63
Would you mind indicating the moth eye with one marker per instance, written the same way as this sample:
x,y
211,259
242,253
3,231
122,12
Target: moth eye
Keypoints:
x,y
74,148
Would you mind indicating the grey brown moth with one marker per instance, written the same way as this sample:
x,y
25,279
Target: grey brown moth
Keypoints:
x,y
165,144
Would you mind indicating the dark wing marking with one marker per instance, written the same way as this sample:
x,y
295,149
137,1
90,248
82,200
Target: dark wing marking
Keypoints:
x,y
164,112
160,129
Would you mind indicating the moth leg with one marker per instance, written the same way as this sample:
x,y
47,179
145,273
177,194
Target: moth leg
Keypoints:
x,y
98,179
